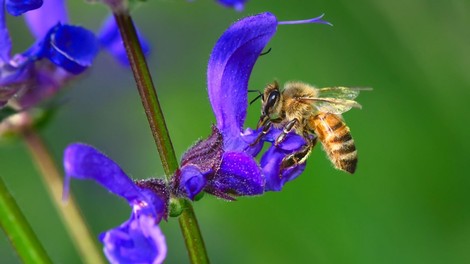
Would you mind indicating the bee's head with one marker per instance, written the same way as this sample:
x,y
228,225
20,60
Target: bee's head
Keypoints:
x,y
270,104
271,101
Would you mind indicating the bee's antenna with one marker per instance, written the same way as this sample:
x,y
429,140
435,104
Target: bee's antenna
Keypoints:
x,y
266,52
260,95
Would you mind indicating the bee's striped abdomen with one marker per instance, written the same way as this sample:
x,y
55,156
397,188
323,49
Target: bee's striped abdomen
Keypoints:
x,y
336,140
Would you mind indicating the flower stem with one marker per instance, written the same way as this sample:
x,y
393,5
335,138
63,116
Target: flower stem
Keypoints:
x,y
147,93
18,230
188,222
70,214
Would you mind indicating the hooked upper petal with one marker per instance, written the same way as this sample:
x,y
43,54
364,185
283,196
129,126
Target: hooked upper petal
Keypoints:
x,y
230,66
51,13
85,162
18,7
71,47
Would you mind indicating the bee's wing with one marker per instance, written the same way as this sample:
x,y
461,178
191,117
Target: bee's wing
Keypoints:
x,y
335,100
341,92
331,105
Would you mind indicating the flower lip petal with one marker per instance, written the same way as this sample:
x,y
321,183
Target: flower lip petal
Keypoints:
x,y
238,175
249,136
292,141
230,66
71,47
18,7
138,240
41,20
271,167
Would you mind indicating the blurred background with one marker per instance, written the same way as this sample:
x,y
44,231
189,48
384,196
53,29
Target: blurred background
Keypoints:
x,y
409,201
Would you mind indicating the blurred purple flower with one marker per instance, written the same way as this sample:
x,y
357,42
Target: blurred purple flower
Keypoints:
x,y
60,51
238,5
110,39
224,163
18,7
137,240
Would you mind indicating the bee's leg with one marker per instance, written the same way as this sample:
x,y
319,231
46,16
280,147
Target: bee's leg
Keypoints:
x,y
300,156
287,128
266,127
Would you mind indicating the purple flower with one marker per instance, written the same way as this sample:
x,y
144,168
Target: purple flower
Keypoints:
x,y
235,4
60,51
224,163
137,240
238,5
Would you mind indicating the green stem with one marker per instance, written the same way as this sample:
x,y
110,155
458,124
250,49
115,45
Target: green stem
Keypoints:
x,y
147,93
18,230
70,214
192,234
188,222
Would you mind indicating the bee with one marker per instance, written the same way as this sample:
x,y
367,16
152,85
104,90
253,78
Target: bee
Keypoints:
x,y
312,113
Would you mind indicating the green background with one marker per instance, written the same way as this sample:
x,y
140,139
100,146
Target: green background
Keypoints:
x,y
409,201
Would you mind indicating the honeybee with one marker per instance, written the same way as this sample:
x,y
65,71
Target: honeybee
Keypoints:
x,y
307,110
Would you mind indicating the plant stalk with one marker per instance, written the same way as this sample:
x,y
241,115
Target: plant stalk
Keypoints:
x,y
188,222
75,224
18,230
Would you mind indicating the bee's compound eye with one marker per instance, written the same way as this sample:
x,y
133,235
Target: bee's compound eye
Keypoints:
x,y
273,98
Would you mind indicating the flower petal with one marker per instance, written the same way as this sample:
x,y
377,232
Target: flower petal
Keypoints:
x,y
271,165
51,13
230,66
249,136
291,143
138,240
238,175
45,80
192,181
272,159
5,40
85,162
18,7
110,39
72,48
13,80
